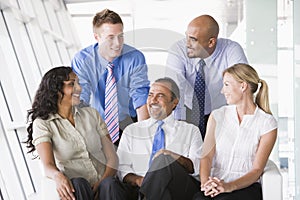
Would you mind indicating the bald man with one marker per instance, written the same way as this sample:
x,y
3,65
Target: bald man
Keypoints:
x,y
185,60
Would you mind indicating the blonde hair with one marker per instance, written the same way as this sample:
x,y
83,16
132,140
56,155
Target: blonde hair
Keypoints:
x,y
246,73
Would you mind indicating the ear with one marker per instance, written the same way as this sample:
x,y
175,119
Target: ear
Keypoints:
x,y
212,42
96,36
175,102
244,86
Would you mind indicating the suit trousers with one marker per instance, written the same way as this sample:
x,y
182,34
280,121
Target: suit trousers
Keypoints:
x,y
168,180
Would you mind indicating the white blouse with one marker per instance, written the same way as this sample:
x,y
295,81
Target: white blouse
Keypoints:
x,y
236,144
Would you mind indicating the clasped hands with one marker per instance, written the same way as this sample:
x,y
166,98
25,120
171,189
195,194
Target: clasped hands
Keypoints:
x,y
213,187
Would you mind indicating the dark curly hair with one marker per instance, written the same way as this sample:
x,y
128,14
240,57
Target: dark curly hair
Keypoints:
x,y
46,98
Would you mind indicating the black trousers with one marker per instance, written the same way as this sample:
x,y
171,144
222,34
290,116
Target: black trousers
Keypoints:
x,y
168,180
165,180
112,188
253,192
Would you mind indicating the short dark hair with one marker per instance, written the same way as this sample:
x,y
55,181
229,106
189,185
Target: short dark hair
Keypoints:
x,y
106,16
174,87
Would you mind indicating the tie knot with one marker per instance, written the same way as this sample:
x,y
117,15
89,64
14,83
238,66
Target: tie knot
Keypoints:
x,y
110,66
202,63
160,123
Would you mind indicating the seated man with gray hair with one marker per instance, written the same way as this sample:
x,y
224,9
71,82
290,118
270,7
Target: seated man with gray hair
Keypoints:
x,y
158,157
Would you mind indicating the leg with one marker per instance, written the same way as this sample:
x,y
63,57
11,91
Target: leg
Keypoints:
x,y
112,188
253,192
167,179
83,189
200,196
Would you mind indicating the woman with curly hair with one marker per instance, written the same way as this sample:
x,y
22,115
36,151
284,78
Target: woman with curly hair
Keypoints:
x,y
72,142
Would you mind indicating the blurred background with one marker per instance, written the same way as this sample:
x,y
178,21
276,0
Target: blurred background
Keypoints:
x,y
36,35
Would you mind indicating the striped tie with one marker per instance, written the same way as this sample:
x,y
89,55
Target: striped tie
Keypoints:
x,y
111,105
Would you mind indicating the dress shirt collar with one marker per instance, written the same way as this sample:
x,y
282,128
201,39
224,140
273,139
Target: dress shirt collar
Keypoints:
x,y
168,120
103,61
209,60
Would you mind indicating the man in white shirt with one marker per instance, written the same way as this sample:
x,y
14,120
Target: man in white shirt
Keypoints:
x,y
201,43
172,172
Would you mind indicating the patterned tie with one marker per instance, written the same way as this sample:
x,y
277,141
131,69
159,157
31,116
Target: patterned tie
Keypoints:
x,y
158,142
111,105
199,99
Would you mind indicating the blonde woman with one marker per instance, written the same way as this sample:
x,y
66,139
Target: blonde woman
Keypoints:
x,y
239,138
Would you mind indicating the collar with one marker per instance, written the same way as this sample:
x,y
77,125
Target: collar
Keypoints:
x,y
168,120
209,60
57,116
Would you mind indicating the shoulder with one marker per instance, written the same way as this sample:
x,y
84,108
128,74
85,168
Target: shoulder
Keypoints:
x,y
223,109
265,121
40,122
262,115
90,111
129,51
84,58
178,47
227,43
42,126
86,52
187,126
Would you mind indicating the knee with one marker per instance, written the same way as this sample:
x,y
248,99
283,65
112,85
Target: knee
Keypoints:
x,y
162,161
80,182
198,196
108,182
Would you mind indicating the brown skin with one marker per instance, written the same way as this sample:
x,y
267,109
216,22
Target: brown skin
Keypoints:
x,y
201,34
160,106
64,186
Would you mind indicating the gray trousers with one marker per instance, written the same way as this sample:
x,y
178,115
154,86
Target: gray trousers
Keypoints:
x,y
83,190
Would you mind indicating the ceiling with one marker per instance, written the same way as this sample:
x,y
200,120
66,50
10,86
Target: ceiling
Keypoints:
x,y
154,25
169,14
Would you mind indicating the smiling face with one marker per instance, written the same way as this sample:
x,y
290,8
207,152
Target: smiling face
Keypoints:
x,y
71,90
232,89
160,103
110,38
